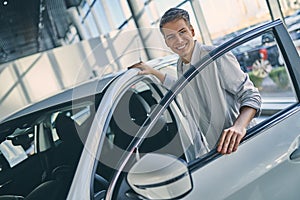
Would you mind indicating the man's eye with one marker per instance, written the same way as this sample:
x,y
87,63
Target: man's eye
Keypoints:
x,y
170,37
182,32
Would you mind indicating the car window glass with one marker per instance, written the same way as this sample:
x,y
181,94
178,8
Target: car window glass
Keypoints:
x,y
23,143
265,66
81,118
128,114
292,21
18,146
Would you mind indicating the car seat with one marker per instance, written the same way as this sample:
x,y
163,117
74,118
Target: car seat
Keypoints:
x,y
128,116
64,157
69,150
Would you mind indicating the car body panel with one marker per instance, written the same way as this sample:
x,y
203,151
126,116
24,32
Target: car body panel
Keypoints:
x,y
255,170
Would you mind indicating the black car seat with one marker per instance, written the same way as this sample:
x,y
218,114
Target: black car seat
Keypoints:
x,y
65,157
69,150
129,115
57,188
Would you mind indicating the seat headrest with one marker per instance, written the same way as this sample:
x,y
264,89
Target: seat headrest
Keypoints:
x,y
65,127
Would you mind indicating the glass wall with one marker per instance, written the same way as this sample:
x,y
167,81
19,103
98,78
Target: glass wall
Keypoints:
x,y
291,13
219,20
106,24
228,18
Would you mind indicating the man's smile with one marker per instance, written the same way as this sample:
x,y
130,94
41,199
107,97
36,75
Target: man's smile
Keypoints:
x,y
181,47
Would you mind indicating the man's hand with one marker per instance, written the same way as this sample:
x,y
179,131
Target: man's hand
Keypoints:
x,y
146,69
230,139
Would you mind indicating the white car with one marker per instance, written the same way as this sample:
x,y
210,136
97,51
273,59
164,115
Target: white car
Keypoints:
x,y
125,136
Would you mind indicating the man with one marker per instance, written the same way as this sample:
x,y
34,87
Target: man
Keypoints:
x,y
225,97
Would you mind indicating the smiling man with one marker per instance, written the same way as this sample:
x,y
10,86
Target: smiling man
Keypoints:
x,y
221,100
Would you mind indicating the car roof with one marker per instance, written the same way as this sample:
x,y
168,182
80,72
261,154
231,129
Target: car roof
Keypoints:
x,y
85,89
88,88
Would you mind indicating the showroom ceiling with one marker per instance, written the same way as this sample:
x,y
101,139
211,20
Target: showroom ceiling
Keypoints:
x,y
31,26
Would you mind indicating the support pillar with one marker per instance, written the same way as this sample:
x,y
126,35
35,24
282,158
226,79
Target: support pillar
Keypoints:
x,y
201,21
141,20
275,9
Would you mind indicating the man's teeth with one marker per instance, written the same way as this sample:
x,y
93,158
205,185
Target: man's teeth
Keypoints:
x,y
181,47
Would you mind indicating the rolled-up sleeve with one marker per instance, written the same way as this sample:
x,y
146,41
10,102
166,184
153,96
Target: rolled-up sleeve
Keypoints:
x,y
238,83
248,95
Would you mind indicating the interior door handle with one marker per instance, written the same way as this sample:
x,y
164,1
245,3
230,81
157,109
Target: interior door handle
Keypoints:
x,y
295,155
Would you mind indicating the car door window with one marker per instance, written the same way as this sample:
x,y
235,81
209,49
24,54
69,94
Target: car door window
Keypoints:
x,y
264,63
18,155
206,104
43,146
18,146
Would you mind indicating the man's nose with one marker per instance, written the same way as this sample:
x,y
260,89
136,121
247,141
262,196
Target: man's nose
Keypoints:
x,y
179,38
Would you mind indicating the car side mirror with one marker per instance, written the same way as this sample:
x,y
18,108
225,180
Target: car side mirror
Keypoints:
x,y
158,176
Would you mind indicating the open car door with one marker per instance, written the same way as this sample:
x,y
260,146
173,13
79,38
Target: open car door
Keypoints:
x,y
267,161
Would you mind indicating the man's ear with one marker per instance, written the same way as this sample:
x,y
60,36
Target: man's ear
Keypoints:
x,y
192,30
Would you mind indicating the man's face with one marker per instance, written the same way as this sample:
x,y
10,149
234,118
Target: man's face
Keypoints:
x,y
179,37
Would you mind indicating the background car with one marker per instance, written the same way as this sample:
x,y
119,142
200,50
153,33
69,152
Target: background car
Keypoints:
x,y
125,136
259,58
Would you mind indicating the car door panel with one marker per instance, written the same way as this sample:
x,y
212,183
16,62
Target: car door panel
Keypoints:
x,y
260,169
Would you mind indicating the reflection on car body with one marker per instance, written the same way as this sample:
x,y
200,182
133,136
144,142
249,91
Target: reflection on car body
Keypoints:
x,y
98,140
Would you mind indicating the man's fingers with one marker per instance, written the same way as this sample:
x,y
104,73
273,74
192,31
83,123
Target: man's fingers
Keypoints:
x,y
237,142
138,65
225,141
229,141
221,141
232,143
142,72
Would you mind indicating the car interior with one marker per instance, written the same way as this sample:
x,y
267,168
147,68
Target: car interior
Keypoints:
x,y
53,141
52,144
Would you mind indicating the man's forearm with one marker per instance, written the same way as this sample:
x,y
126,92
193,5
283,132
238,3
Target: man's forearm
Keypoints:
x,y
159,75
246,115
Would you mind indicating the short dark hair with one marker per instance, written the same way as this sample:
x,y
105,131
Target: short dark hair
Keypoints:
x,y
174,14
